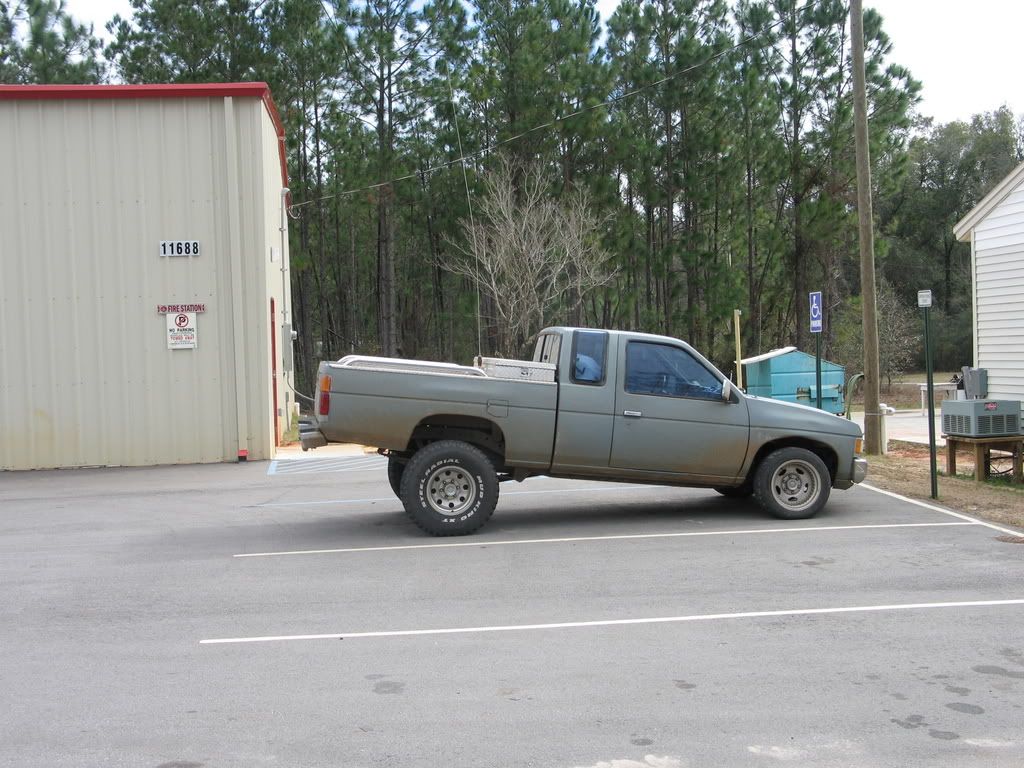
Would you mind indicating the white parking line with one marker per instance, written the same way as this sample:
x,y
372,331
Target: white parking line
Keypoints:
x,y
949,512
618,622
604,488
572,539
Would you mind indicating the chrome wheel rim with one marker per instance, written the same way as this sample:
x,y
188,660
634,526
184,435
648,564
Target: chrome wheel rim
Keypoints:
x,y
451,490
796,485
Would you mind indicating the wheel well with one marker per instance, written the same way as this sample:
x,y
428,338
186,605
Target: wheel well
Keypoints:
x,y
823,452
484,434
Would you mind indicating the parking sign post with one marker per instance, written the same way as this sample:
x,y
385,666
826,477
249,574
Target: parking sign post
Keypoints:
x,y
816,313
924,301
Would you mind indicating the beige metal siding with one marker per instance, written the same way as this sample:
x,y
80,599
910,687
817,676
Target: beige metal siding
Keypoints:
x,y
999,296
278,276
87,378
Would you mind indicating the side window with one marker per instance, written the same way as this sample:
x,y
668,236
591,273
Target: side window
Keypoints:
x,y
547,349
543,341
660,369
588,354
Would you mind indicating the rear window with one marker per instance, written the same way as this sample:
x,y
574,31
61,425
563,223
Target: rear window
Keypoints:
x,y
589,349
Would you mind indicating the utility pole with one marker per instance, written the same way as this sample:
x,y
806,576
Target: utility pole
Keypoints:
x,y
739,365
872,418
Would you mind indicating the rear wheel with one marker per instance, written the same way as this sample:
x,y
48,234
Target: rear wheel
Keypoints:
x,y
792,483
449,488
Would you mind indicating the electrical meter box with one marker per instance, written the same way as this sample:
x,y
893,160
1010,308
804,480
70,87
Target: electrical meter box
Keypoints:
x,y
981,418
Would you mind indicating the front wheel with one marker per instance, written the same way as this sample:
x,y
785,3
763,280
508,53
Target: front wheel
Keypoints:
x,y
449,488
792,483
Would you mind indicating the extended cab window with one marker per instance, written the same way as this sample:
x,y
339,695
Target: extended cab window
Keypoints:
x,y
588,354
661,369
548,346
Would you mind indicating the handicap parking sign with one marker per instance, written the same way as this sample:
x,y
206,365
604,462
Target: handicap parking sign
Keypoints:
x,y
815,312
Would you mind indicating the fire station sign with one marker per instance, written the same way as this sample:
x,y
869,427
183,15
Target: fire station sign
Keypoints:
x,y
181,330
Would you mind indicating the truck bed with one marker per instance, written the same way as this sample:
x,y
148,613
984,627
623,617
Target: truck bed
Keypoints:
x,y
381,401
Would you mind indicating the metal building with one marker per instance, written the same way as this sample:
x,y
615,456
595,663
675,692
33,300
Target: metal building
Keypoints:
x,y
144,301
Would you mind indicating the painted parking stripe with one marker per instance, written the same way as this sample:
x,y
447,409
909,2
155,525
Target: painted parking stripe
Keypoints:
x,y
330,469
326,463
314,457
311,466
574,539
604,488
621,622
944,511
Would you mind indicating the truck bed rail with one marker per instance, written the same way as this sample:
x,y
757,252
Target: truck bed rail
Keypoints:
x,y
366,362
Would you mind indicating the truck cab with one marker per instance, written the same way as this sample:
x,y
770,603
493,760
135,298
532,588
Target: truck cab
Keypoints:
x,y
643,406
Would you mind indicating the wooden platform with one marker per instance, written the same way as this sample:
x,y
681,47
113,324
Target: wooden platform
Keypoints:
x,y
983,447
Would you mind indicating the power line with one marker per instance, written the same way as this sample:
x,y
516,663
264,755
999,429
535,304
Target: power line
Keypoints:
x,y
554,121
469,203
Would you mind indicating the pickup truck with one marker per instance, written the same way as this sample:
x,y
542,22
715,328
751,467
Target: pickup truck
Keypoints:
x,y
591,405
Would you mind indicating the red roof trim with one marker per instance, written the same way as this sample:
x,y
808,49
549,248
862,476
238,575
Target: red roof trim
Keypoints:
x,y
147,91
155,91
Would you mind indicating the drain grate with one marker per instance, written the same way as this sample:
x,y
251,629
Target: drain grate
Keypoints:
x,y
1011,539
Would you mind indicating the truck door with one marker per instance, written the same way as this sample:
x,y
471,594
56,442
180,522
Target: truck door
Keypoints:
x,y
670,416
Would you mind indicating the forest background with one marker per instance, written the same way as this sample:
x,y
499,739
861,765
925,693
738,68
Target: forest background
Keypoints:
x,y
464,173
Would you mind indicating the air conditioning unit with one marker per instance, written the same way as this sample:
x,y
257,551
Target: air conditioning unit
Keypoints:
x,y
981,418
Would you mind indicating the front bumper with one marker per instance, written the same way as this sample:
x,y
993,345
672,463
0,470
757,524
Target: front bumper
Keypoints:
x,y
860,469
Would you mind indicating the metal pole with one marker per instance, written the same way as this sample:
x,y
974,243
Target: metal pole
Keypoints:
x,y
931,403
817,365
739,366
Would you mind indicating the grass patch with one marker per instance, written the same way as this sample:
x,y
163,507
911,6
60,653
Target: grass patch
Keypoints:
x,y
905,470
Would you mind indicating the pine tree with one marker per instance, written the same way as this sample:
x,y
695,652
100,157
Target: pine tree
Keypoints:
x,y
41,43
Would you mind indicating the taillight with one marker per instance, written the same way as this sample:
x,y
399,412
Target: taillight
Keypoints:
x,y
324,404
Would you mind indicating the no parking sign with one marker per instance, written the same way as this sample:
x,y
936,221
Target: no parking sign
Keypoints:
x,y
181,330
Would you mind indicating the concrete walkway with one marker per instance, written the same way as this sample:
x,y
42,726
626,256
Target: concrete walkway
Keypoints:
x,y
909,426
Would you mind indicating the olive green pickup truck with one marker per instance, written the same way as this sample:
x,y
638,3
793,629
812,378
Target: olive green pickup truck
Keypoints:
x,y
592,404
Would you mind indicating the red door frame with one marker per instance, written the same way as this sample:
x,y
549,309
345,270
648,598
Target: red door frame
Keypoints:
x,y
273,372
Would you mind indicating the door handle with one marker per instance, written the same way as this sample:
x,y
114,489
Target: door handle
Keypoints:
x,y
634,414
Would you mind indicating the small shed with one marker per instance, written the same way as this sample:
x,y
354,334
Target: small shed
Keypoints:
x,y
143,275
789,374
995,230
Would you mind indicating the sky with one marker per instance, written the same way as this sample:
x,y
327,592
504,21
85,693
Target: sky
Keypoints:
x,y
964,51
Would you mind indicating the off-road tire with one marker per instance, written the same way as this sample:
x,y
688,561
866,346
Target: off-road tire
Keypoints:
x,y
792,483
396,469
449,474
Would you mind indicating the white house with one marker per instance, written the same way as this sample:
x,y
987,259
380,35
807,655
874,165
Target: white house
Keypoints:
x,y
995,230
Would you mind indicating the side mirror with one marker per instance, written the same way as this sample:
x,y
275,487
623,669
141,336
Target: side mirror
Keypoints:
x,y
727,390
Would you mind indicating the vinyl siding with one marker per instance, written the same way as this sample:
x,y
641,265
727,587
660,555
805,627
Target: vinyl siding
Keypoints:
x,y
999,296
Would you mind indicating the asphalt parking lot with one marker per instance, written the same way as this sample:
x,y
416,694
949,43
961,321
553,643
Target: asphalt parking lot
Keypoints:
x,y
289,615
